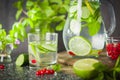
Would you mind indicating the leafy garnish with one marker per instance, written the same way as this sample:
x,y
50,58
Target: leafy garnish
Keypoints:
x,y
106,73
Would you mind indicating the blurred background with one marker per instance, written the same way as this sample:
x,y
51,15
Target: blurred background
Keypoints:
x,y
7,18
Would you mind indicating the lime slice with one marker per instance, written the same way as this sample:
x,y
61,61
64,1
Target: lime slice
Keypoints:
x,y
75,26
79,46
22,60
32,48
50,47
84,68
85,12
45,48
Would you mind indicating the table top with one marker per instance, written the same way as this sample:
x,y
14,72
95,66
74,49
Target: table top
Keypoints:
x,y
12,72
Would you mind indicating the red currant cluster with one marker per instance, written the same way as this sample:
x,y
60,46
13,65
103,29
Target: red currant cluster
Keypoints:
x,y
2,67
44,71
113,50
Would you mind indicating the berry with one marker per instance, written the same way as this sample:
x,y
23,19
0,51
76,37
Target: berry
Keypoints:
x,y
113,50
71,53
33,61
47,72
40,72
44,71
52,71
2,66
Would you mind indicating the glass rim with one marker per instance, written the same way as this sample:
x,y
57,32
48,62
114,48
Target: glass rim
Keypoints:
x,y
113,39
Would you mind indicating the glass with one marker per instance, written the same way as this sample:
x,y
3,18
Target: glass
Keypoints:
x,y
113,47
5,54
42,50
84,32
48,49
34,58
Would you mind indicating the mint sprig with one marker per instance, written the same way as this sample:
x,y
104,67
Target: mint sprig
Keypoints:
x,y
106,73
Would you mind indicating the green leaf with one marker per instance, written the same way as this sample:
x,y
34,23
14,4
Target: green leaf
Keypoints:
x,y
60,26
29,4
117,69
18,4
49,11
62,10
100,67
56,1
58,18
94,27
56,67
18,14
100,76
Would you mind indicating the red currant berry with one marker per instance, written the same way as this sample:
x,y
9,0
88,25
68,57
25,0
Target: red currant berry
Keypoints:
x,y
71,53
52,71
38,73
33,61
47,71
44,70
2,66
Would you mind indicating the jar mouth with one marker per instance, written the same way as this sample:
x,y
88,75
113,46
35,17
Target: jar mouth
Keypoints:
x,y
113,39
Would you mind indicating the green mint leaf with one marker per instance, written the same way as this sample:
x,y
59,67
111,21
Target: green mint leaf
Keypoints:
x,y
117,62
60,26
100,67
94,27
117,69
56,67
100,76
18,4
29,4
18,14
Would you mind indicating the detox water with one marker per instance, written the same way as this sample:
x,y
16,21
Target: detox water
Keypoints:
x,y
84,32
43,52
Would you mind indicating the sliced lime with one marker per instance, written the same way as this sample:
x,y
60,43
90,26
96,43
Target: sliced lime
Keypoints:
x,y
85,12
75,26
33,49
79,45
22,60
44,48
84,68
50,47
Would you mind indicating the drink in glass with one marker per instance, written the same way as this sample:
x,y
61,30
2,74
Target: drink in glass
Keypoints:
x,y
113,47
47,49
84,32
44,51
33,40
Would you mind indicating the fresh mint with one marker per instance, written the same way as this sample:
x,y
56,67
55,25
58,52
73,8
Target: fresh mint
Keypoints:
x,y
93,21
106,73
46,15
90,18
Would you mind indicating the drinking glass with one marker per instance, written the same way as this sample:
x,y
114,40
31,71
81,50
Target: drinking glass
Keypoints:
x,y
33,40
42,49
47,49
113,47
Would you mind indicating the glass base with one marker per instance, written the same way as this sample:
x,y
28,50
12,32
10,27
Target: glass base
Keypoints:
x,y
5,58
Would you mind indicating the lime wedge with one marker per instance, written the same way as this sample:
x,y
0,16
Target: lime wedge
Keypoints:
x,y
84,68
22,60
79,46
